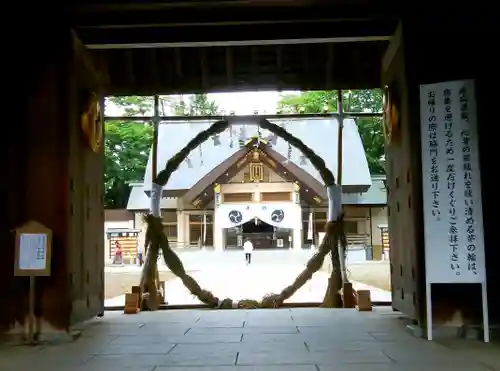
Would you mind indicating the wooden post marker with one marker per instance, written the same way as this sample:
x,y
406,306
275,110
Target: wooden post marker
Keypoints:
x,y
33,252
348,295
364,301
131,303
137,290
161,293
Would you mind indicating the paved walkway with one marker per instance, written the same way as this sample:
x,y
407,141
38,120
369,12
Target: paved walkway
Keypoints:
x,y
240,281
308,339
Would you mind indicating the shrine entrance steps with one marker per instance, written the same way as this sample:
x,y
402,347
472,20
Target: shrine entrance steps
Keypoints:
x,y
298,339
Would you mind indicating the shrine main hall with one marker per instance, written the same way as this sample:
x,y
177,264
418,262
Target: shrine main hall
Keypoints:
x,y
248,183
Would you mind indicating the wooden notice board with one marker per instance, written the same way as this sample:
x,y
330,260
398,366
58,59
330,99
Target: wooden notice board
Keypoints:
x,y
33,250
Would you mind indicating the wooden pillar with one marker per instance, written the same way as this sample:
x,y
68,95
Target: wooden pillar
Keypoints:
x,y
36,154
39,154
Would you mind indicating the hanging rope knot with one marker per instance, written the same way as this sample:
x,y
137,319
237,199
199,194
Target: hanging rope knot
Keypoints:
x,y
335,227
156,239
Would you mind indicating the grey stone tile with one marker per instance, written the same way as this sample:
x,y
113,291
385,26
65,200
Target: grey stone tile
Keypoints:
x,y
212,359
143,339
249,329
166,317
207,348
391,336
397,367
163,328
207,330
209,338
350,356
273,339
239,368
316,345
139,348
334,334
60,362
420,353
202,355
271,322
258,340
275,356
175,339
244,330
118,362
269,317
220,322
103,329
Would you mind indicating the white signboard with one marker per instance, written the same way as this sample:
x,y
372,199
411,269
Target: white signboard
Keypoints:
x,y
453,215
32,251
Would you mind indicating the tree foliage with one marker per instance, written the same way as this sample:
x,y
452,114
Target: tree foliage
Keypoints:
x,y
127,144
370,129
126,149
196,105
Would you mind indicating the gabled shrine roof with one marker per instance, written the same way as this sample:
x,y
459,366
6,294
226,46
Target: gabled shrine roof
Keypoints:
x,y
320,134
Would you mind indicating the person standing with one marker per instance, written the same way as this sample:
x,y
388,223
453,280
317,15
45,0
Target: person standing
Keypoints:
x,y
248,248
118,253
140,258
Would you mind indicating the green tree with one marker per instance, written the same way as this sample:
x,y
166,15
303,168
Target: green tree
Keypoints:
x,y
196,105
126,149
127,143
370,129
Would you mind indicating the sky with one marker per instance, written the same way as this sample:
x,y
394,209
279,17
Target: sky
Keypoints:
x,y
245,103
242,103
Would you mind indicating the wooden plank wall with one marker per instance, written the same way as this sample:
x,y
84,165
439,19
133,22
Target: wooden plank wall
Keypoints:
x,y
86,208
403,180
54,179
36,152
447,64
408,65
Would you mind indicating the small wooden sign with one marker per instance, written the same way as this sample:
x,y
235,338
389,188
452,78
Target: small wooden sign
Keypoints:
x,y
364,302
131,303
33,250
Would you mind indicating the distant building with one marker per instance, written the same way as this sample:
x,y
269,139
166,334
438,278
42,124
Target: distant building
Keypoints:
x,y
265,190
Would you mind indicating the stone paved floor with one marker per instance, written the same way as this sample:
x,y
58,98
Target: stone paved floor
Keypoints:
x,y
309,339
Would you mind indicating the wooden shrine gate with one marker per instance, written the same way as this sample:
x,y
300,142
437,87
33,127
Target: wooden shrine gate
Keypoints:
x,y
53,176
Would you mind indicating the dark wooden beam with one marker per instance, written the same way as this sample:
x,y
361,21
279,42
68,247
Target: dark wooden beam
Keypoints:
x,y
166,13
161,35
278,66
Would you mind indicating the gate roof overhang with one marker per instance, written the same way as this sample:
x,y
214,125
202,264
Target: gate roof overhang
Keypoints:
x,y
148,47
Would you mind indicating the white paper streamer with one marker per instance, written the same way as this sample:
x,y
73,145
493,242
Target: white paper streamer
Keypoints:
x,y
156,191
334,200
204,229
334,210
